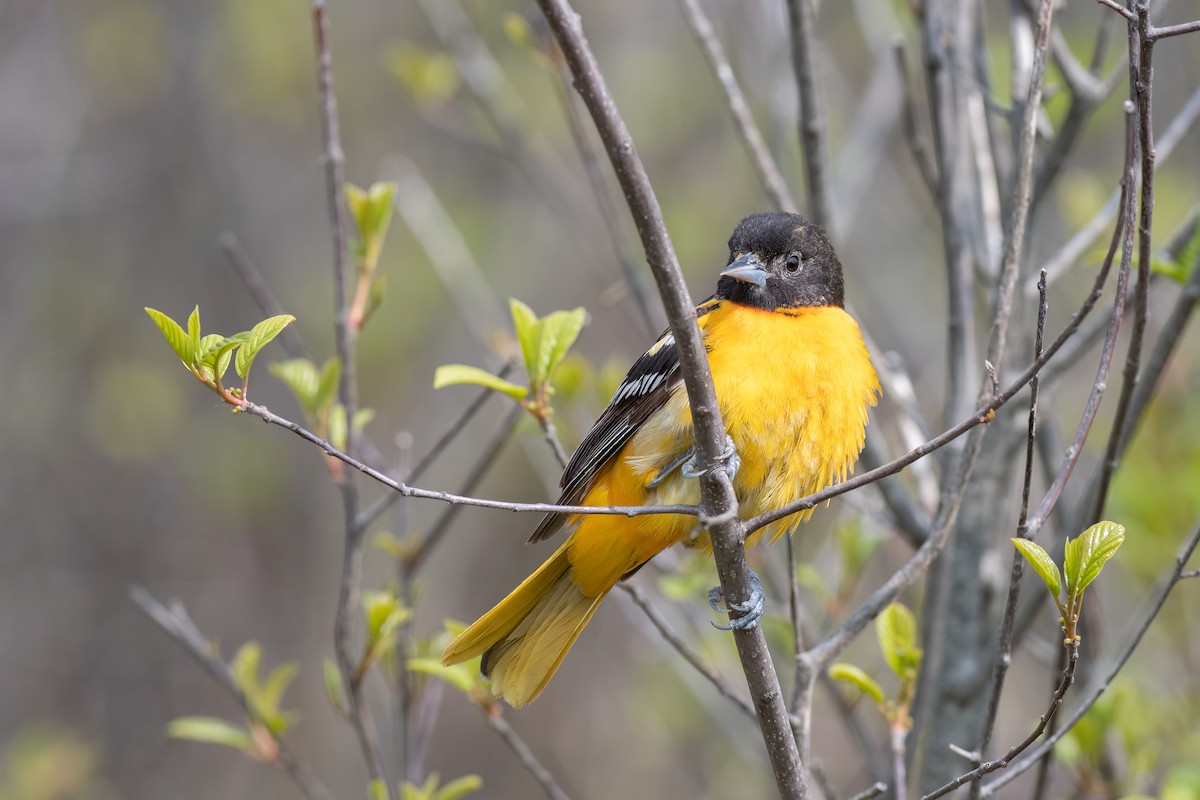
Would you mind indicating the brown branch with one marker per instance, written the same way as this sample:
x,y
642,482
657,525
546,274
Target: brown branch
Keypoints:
x,y
345,334
814,131
991,766
1017,570
1154,34
542,775
718,502
176,623
266,415
684,649
748,131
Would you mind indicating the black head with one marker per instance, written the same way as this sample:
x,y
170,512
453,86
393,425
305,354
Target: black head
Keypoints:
x,y
781,260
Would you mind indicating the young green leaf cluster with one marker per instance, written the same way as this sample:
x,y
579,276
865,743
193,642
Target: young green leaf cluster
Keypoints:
x,y
896,630
372,211
208,357
1084,557
430,790
544,343
256,736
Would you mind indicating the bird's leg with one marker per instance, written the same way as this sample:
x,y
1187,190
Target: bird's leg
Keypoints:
x,y
729,460
751,610
678,461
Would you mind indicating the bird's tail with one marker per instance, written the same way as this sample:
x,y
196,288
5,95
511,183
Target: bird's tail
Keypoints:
x,y
525,637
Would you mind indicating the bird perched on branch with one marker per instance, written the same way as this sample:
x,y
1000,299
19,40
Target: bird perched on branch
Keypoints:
x,y
794,382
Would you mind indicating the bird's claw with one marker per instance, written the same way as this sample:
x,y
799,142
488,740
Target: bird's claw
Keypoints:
x,y
751,611
729,460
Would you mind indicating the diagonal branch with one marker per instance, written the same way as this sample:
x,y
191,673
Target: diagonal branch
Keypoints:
x,y
176,623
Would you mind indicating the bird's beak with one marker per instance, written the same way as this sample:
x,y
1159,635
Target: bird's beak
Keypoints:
x,y
747,269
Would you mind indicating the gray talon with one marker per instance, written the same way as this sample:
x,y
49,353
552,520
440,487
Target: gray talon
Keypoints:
x,y
729,459
751,610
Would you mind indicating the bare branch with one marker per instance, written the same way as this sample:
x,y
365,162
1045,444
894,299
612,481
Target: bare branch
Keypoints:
x,y
718,502
684,649
991,766
1154,34
752,139
345,334
266,415
176,623
542,775
1017,570
814,131
253,280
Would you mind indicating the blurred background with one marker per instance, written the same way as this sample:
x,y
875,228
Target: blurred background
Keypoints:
x,y
134,133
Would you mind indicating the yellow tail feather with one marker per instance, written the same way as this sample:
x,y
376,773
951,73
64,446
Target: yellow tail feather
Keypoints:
x,y
524,639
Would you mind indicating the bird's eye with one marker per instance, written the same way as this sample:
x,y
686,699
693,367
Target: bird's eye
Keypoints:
x,y
793,263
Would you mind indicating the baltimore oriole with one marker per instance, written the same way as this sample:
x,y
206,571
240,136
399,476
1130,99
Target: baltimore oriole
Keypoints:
x,y
794,381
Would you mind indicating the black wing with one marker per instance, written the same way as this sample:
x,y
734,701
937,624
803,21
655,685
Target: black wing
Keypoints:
x,y
645,389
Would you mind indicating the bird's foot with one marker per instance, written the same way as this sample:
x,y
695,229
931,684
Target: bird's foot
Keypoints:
x,y
751,610
729,460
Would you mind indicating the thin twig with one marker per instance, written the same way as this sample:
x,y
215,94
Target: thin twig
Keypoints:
x,y
542,775
176,623
814,131
266,415
693,658
1141,86
456,427
253,280
871,792
918,143
748,131
1029,759
1154,34
1017,570
487,457
991,766
718,501
358,713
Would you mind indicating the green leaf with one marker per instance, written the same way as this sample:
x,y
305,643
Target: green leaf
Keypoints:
x,y
271,695
180,342
385,612
1073,552
245,666
525,325
452,374
327,386
260,336
299,375
337,426
372,212
461,676
559,331
1042,564
1100,543
377,790
897,631
333,685
362,417
194,328
853,675
459,787
212,731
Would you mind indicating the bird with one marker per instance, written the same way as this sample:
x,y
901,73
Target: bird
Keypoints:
x,y
794,382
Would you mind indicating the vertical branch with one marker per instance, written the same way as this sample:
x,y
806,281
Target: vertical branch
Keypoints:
x,y
814,132
717,499
345,336
1141,85
946,25
1017,571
